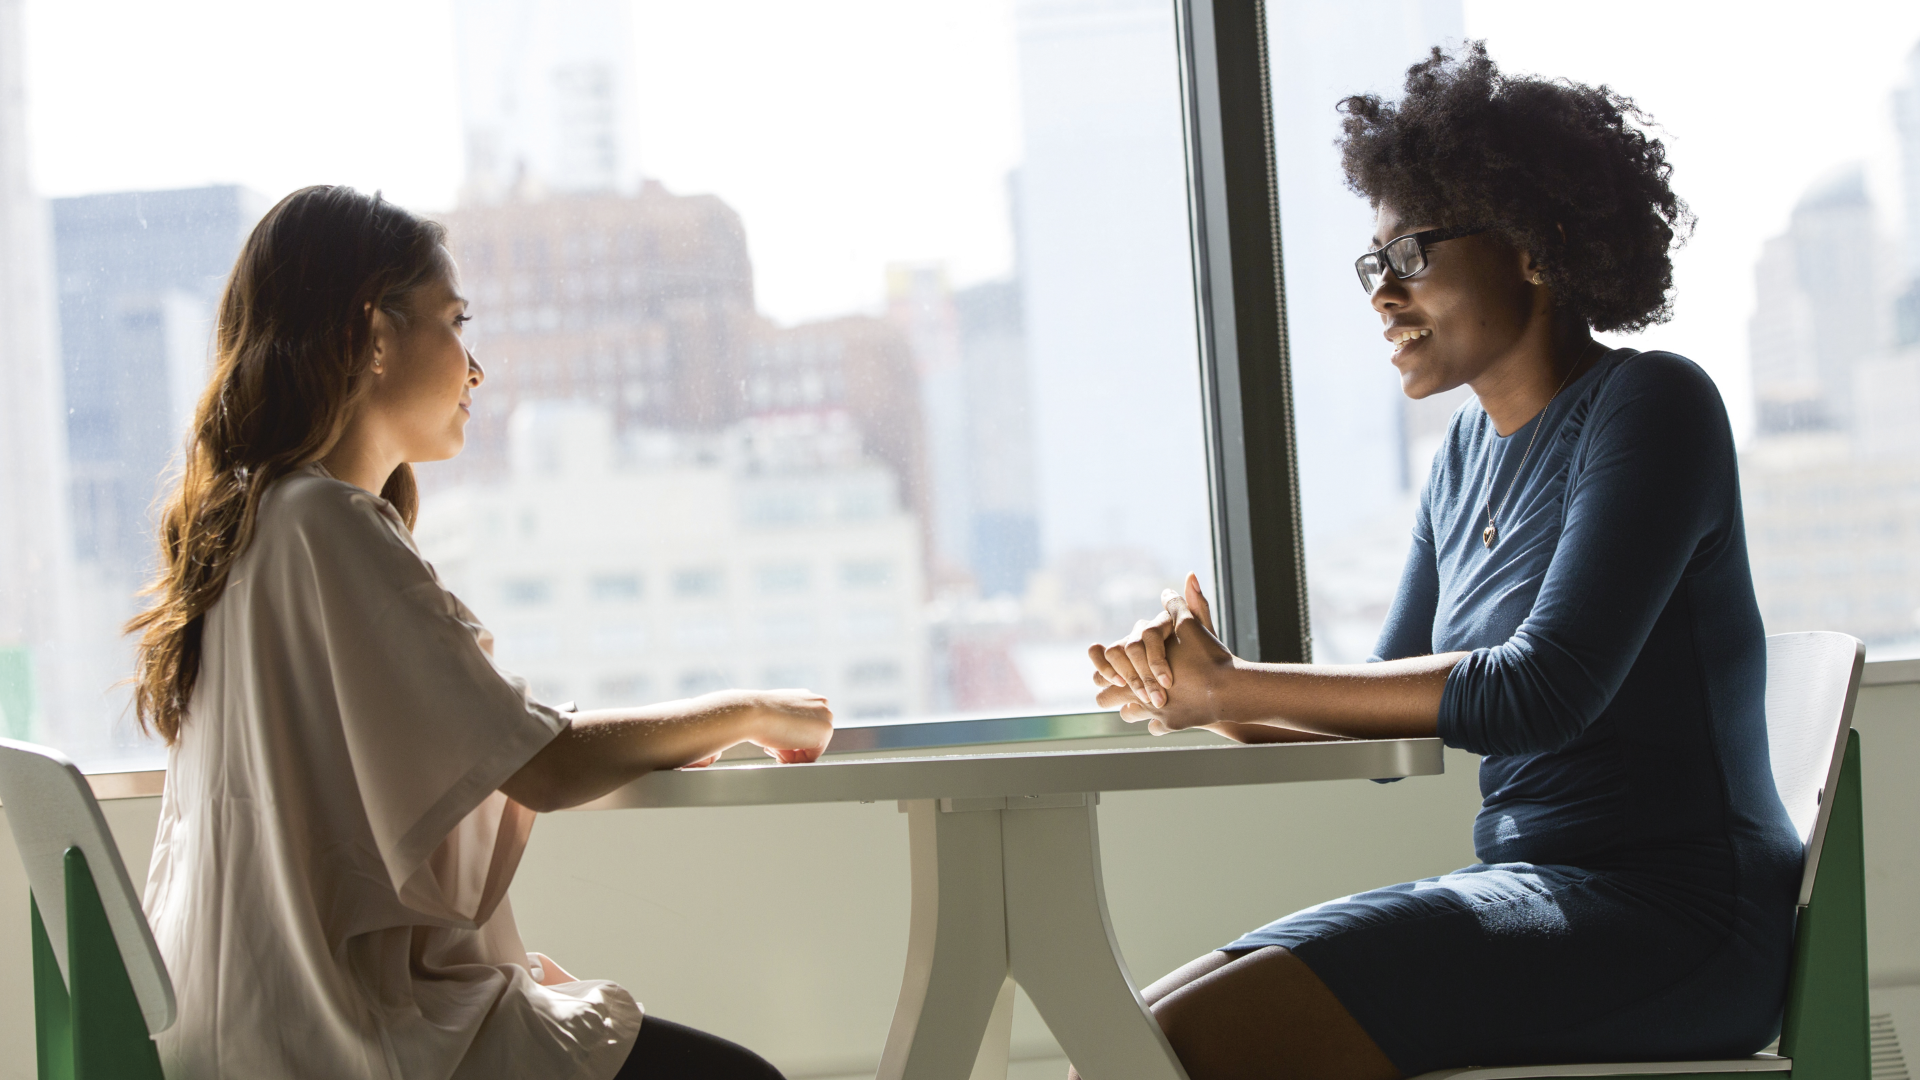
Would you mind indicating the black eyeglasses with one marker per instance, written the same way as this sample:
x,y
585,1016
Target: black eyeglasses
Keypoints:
x,y
1404,255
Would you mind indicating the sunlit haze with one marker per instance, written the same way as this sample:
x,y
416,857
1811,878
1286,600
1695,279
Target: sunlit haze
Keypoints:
x,y
886,108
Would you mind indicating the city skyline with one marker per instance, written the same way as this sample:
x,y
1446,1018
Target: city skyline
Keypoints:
x,y
1831,481
37,679
139,276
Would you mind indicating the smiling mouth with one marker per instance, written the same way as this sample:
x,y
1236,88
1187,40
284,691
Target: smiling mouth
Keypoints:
x,y
1407,337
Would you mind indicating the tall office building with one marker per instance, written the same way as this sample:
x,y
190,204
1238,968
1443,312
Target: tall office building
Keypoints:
x,y
545,91
1003,536
140,275
969,349
1107,283
1906,112
1821,307
1364,447
1836,457
855,370
920,304
1353,424
618,569
644,304
641,302
35,578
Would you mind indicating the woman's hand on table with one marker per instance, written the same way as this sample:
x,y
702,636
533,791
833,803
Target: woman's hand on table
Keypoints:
x,y
602,749
1173,673
1170,671
793,726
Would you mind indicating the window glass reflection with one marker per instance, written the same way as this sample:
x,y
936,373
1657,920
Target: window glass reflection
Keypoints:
x,y
821,339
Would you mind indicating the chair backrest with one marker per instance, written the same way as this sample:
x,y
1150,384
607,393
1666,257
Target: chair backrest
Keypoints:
x,y
51,808
1812,680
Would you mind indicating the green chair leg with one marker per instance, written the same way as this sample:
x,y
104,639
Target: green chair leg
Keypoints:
x,y
52,1012
1826,1031
110,1040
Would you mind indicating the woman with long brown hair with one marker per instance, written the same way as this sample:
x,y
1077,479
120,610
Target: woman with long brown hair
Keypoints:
x,y
350,779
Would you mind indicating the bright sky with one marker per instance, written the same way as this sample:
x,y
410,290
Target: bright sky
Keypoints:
x,y
850,133
1758,101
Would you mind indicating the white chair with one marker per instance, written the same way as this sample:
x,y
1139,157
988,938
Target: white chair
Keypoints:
x,y
1812,680
100,988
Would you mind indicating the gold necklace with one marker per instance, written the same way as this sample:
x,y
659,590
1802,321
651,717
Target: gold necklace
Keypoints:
x,y
1491,532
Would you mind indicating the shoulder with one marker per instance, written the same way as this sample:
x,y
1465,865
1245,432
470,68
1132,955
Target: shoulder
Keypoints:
x,y
1658,409
1660,379
318,512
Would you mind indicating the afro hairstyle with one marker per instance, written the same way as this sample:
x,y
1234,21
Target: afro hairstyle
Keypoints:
x,y
1556,168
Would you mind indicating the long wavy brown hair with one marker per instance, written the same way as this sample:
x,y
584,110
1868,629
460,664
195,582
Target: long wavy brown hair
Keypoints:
x,y
291,350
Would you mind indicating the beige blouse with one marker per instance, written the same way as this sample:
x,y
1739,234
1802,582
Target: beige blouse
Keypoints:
x,y
329,880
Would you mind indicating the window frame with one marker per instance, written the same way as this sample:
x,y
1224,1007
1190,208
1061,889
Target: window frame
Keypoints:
x,y
1246,380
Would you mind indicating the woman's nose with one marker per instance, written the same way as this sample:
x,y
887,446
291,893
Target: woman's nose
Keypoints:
x,y
1389,294
475,373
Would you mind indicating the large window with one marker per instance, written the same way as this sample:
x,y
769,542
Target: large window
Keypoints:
x,y
1794,133
900,349
848,345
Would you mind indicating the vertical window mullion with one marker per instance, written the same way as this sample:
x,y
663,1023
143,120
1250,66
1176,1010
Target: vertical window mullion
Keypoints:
x,y
1239,282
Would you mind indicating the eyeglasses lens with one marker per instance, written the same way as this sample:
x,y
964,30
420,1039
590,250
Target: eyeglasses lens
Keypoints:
x,y
1406,257
1368,267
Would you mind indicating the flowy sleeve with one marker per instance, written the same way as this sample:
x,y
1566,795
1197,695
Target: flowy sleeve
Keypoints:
x,y
1655,489
431,726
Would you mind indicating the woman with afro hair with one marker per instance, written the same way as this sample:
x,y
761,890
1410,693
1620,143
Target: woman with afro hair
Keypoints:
x,y
1577,608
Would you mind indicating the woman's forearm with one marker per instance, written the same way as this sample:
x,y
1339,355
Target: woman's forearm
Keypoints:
x,y
606,748
1389,700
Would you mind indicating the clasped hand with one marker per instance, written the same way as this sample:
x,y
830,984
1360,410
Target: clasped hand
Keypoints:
x,y
1171,671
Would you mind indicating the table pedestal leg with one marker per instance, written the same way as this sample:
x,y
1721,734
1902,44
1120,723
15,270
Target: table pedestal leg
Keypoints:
x,y
956,947
1013,886
1061,949
997,1045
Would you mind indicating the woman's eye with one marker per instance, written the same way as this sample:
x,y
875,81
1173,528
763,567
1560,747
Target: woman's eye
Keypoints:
x,y
461,320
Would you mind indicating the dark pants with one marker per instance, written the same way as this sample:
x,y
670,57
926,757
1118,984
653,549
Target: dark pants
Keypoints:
x,y
665,1050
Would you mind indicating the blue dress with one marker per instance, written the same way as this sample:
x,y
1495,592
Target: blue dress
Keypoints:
x,y
1635,894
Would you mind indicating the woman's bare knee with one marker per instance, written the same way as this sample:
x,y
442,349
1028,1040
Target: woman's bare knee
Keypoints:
x,y
1174,980
1266,1015
1184,974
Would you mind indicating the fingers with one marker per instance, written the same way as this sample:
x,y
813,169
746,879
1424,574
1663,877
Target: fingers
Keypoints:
x,y
1141,650
1121,659
1115,697
1197,602
1177,609
1101,669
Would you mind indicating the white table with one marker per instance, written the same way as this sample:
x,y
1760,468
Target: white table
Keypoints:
x,y
1006,883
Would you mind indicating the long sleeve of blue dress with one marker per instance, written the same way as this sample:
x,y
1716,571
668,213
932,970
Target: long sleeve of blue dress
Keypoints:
x,y
1652,496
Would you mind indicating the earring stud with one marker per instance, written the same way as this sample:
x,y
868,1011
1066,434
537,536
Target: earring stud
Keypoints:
x,y
1537,279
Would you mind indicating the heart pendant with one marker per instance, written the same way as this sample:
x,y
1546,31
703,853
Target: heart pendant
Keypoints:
x,y
1489,535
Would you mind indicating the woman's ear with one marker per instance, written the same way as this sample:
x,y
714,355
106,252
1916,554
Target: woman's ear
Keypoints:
x,y
380,338
1532,269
